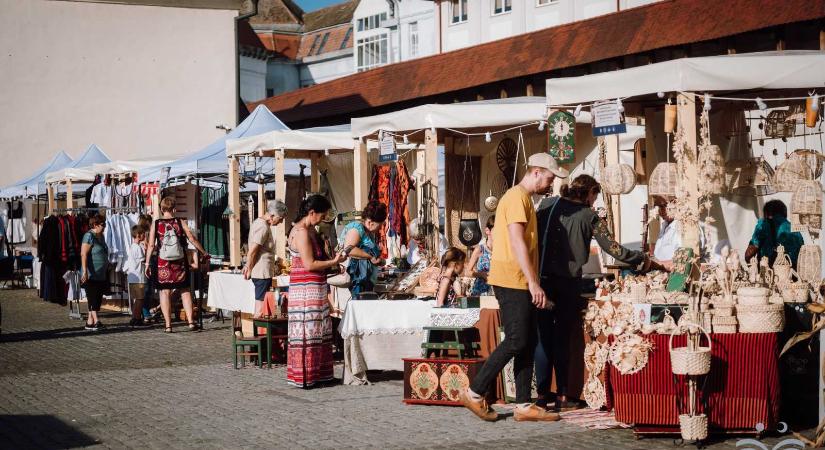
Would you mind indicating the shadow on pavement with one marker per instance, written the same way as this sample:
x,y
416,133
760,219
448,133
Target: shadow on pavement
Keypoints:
x,y
43,432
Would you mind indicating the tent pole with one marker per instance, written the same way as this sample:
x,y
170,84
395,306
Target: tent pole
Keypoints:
x,y
314,180
261,198
612,144
280,194
69,194
361,175
431,180
235,218
50,196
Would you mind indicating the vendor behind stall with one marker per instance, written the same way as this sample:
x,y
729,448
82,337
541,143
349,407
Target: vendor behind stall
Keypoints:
x,y
772,230
360,240
566,226
670,234
416,249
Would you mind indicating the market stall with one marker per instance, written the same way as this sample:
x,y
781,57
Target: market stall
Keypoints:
x,y
700,349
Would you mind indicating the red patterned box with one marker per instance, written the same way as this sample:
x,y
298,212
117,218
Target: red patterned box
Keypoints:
x,y
437,381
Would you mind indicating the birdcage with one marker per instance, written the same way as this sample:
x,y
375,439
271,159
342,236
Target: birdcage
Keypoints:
x,y
806,207
618,179
813,158
711,170
663,180
809,264
776,125
750,177
790,173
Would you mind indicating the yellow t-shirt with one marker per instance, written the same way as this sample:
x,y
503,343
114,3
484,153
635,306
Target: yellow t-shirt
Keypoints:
x,y
515,206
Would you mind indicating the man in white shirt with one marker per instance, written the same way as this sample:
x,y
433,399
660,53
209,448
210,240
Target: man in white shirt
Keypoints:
x,y
261,257
670,235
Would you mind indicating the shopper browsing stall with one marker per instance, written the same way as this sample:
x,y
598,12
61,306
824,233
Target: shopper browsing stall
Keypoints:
x,y
567,224
135,275
479,265
261,257
360,240
771,231
514,276
94,260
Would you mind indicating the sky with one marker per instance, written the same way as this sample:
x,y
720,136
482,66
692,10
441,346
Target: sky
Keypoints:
x,y
312,5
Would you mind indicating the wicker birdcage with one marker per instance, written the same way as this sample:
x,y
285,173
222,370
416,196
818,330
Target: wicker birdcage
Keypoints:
x,y
809,264
790,173
750,177
711,170
663,180
776,125
813,158
806,207
618,179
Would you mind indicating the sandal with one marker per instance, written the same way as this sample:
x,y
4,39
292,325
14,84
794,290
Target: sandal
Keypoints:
x,y
193,326
167,330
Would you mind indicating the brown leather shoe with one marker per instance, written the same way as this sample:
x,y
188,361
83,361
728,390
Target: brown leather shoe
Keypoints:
x,y
478,407
534,413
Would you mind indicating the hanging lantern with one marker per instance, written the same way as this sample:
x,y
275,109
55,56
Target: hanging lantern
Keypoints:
x,y
790,173
663,180
776,125
809,264
813,158
811,111
749,177
670,118
618,179
711,170
806,207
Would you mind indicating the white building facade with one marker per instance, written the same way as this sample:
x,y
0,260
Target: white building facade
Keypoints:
x,y
390,31
465,23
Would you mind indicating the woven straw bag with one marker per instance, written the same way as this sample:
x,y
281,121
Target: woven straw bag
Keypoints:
x,y
795,292
790,173
694,428
809,263
806,206
724,324
811,158
752,296
690,362
663,180
761,318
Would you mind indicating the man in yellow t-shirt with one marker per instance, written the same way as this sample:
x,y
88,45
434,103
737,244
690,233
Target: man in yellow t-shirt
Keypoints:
x,y
513,275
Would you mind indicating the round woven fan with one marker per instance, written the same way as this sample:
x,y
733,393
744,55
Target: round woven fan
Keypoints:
x,y
506,153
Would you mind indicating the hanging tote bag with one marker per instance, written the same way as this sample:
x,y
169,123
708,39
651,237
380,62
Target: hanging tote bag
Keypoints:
x,y
469,230
171,248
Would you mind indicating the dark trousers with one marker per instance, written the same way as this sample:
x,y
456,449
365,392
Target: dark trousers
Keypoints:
x,y
554,332
518,318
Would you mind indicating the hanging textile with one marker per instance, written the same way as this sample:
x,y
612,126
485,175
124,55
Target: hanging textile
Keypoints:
x,y
390,185
213,226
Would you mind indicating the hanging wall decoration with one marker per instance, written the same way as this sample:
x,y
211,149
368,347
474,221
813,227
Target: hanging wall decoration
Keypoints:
x,y
790,173
813,158
562,136
806,207
506,154
663,180
618,179
750,177
777,125
711,163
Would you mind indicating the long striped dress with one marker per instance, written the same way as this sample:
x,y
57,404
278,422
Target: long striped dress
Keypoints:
x,y
309,357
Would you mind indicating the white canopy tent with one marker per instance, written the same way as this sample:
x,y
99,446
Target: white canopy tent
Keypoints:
x,y
131,165
334,139
769,70
81,168
35,182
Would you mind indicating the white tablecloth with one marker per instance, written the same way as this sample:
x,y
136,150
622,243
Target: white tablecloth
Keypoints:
x,y
379,333
231,291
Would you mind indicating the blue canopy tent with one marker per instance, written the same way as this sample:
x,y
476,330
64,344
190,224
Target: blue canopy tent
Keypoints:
x,y
36,182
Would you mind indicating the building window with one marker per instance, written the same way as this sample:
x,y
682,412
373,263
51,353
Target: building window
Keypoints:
x,y
372,52
502,6
346,39
323,43
371,22
413,39
270,92
314,44
545,2
459,11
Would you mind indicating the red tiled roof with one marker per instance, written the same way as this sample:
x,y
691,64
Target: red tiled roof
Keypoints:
x,y
276,12
334,40
286,45
331,15
637,30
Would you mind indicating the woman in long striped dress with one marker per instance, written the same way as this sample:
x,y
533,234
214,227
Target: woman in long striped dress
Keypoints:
x,y
309,357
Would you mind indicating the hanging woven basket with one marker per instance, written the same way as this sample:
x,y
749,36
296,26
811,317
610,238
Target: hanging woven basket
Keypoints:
x,y
750,177
809,264
777,125
814,159
806,207
663,180
685,361
693,428
790,173
618,179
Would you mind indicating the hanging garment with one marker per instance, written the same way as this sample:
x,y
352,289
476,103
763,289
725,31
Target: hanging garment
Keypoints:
x,y
213,231
72,279
16,225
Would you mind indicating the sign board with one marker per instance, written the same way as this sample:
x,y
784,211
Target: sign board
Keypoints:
x,y
561,136
607,119
388,152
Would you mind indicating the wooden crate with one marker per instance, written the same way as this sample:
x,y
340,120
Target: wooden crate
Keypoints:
x,y
438,381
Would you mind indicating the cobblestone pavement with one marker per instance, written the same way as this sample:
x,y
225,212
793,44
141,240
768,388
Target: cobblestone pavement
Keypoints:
x,y
62,387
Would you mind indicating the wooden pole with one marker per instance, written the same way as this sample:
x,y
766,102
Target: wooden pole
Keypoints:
x,y
431,173
261,199
280,194
652,128
686,113
235,218
50,196
69,194
612,144
361,175
314,173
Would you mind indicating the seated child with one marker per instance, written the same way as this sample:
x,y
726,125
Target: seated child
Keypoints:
x,y
452,265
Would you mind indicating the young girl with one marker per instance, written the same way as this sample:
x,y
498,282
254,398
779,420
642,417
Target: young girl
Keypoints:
x,y
452,265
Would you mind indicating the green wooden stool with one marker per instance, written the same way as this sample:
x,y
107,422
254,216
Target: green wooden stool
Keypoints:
x,y
452,338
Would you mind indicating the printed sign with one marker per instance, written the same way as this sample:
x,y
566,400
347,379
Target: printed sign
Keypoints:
x,y
561,132
607,119
388,152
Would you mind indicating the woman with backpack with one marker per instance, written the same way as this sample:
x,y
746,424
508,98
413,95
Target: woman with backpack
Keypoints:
x,y
169,236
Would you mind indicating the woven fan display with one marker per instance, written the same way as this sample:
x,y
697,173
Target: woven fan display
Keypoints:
x,y
506,154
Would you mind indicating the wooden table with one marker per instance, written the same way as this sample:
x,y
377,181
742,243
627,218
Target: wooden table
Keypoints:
x,y
270,324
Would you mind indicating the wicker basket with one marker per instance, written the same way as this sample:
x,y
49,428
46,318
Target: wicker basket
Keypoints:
x,y
722,310
749,177
694,428
812,158
809,263
663,180
777,126
790,173
761,318
724,324
806,206
690,362
795,292
752,296
618,179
